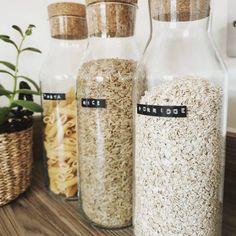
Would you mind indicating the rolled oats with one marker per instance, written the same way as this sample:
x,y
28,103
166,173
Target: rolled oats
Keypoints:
x,y
179,161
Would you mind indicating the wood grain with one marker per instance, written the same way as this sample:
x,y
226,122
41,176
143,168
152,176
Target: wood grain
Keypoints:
x,y
229,219
38,213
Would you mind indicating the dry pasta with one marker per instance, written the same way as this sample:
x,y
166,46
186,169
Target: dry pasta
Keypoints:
x,y
60,142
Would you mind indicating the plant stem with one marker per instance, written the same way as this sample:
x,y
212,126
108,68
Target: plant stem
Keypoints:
x,y
16,70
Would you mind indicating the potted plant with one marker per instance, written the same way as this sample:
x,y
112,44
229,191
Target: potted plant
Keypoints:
x,y
16,121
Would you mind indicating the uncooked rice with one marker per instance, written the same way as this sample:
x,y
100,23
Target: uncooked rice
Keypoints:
x,y
179,163
105,147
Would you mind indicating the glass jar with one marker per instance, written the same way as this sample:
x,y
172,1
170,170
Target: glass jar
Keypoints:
x,y
104,93
58,82
180,125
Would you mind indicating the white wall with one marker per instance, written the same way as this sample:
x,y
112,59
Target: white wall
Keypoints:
x,y
24,12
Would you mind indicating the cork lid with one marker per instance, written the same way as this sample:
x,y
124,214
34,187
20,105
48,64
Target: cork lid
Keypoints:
x,y
66,9
113,20
180,10
132,2
68,20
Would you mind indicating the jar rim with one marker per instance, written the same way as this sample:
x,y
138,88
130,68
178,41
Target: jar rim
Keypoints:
x,y
128,2
67,9
68,16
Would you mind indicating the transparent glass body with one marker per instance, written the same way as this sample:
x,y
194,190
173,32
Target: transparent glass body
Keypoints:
x,y
58,82
180,129
104,93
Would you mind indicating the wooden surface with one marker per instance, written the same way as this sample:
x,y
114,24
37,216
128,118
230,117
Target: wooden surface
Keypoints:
x,y
37,213
230,188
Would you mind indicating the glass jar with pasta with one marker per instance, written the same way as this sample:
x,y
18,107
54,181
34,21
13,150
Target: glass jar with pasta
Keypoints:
x,y
58,80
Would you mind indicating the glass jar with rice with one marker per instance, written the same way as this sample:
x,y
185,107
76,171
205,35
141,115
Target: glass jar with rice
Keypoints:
x,y
104,90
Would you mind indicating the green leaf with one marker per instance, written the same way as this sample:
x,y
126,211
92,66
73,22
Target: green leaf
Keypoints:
x,y
31,49
27,91
8,40
4,36
4,92
17,28
31,106
13,105
8,64
4,113
6,72
28,32
31,26
31,81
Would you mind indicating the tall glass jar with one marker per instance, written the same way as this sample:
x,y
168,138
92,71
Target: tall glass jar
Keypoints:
x,y
104,91
58,82
180,120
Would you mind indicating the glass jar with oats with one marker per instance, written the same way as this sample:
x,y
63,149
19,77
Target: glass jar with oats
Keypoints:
x,y
58,83
104,93
180,125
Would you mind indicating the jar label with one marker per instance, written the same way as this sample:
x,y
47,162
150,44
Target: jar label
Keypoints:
x,y
93,103
162,111
54,96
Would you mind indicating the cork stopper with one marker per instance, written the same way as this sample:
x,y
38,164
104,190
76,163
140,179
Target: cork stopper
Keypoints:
x,y
68,20
180,10
111,18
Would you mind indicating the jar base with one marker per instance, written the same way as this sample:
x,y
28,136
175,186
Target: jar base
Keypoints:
x,y
87,220
61,196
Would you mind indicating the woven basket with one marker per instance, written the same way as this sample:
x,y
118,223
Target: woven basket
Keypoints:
x,y
15,164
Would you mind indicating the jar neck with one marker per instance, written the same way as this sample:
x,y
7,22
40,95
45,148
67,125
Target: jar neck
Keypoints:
x,y
123,48
185,29
116,42
59,46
